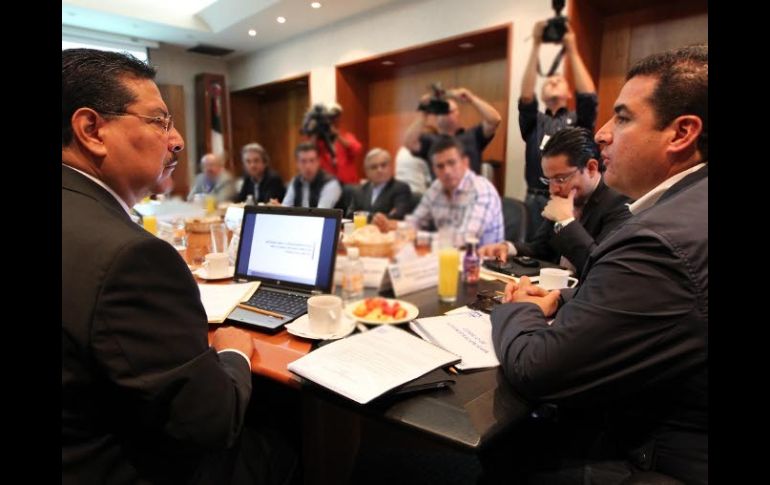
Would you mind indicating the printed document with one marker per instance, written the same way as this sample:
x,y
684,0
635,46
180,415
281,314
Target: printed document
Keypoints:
x,y
465,333
369,364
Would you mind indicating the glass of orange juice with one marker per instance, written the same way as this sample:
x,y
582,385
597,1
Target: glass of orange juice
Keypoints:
x,y
150,224
211,204
448,265
360,218
448,271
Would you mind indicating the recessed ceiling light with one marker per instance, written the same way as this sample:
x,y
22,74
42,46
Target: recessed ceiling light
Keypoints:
x,y
387,63
466,45
316,4
252,32
281,20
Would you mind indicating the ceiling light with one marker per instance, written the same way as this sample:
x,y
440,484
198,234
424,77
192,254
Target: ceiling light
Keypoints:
x,y
252,32
387,63
465,45
316,4
281,20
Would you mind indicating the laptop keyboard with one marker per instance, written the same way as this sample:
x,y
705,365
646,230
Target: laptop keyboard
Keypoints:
x,y
286,304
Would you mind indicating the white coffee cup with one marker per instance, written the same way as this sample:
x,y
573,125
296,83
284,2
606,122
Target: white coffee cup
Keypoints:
x,y
217,265
324,314
555,279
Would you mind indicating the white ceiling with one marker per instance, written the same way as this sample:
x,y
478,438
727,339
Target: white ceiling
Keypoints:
x,y
220,23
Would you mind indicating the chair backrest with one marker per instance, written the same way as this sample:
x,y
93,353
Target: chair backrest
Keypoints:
x,y
516,219
346,198
416,197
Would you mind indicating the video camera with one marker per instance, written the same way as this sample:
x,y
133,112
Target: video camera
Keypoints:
x,y
318,122
557,26
437,104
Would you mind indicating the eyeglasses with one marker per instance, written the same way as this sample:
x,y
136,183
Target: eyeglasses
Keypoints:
x,y
166,122
559,179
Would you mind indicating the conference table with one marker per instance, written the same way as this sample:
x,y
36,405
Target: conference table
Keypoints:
x,y
466,417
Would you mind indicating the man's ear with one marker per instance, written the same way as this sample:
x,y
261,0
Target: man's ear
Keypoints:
x,y
592,165
86,129
685,131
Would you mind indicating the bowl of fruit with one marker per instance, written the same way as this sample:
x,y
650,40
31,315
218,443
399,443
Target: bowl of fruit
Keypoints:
x,y
379,311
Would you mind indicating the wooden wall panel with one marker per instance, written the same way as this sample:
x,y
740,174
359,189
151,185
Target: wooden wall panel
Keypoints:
x,y
271,115
353,95
393,102
630,36
173,95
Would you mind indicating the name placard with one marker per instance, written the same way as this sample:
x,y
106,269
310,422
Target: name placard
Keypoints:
x,y
414,275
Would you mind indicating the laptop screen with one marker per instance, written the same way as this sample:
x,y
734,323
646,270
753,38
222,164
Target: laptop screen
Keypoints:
x,y
291,247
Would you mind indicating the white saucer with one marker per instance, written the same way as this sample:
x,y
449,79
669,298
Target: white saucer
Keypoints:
x,y
202,273
301,328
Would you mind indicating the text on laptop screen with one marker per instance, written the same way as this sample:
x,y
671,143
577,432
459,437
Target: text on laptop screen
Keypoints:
x,y
289,248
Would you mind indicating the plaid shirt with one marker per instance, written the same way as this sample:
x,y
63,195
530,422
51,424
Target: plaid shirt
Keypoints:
x,y
475,208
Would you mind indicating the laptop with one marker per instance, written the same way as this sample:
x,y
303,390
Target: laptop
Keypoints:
x,y
291,251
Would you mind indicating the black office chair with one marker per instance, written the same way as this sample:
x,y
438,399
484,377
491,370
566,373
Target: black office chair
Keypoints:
x,y
416,197
516,220
346,198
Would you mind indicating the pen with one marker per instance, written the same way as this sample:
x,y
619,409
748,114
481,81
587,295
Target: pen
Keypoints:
x,y
361,327
259,310
453,370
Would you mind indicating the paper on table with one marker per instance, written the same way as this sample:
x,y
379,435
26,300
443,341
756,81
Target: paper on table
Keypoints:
x,y
220,300
467,334
369,364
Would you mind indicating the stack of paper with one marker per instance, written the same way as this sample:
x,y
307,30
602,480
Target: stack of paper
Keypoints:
x,y
467,334
220,300
369,364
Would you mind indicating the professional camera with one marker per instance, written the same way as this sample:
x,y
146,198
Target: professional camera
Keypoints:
x,y
437,104
318,122
556,27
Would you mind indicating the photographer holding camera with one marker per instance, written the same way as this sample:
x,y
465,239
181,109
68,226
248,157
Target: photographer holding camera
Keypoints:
x,y
445,106
536,127
337,149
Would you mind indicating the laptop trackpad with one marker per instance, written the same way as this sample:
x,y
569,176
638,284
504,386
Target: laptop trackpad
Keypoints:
x,y
264,322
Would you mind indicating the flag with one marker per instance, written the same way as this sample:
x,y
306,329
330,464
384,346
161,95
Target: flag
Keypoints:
x,y
217,140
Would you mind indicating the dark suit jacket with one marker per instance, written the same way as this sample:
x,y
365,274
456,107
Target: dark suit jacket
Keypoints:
x,y
270,187
603,212
632,341
144,397
394,201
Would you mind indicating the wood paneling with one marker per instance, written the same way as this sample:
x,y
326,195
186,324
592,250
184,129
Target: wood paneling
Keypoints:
x,y
353,95
630,31
384,98
271,115
173,95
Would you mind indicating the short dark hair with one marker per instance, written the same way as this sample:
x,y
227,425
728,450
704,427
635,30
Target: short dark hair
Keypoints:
x,y
305,147
577,144
683,86
444,143
93,79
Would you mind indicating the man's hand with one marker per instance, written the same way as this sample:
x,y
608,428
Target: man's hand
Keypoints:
x,y
525,292
560,208
462,95
383,223
537,32
496,251
569,39
233,338
275,202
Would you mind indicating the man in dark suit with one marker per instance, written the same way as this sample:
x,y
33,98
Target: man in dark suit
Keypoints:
x,y
381,193
145,399
259,181
582,210
628,349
